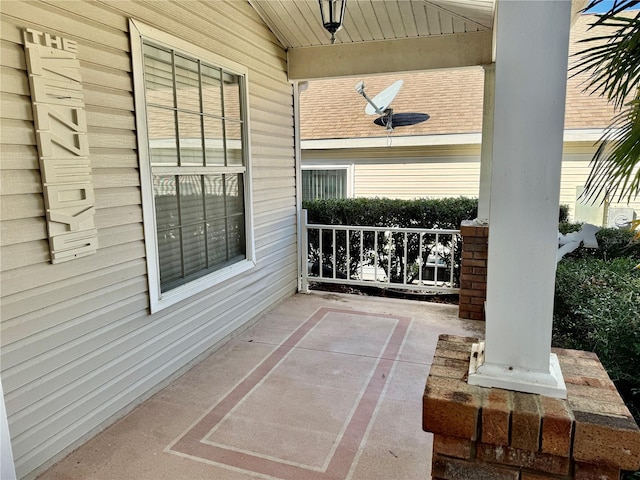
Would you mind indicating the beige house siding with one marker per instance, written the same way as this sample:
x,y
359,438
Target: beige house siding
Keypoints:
x,y
79,346
437,172
436,177
576,166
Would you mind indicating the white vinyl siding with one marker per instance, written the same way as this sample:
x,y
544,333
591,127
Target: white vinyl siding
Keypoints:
x,y
575,170
438,171
434,178
79,346
406,173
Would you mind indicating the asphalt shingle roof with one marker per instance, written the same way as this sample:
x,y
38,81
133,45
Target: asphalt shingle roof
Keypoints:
x,y
453,99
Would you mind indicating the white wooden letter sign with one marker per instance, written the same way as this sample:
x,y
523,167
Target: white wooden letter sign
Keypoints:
x,y
61,134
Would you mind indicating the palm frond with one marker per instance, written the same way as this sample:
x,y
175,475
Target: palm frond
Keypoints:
x,y
613,62
617,7
635,225
615,167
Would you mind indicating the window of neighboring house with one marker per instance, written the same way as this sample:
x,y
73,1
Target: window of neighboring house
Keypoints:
x,y
195,166
326,182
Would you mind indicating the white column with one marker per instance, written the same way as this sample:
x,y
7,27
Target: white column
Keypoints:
x,y
486,152
530,90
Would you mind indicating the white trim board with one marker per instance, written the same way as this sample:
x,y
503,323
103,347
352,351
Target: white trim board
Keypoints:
x,y
578,135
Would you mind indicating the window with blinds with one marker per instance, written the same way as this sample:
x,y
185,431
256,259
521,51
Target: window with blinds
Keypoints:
x,y
196,132
324,184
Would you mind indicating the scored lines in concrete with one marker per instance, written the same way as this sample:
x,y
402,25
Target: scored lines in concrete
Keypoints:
x,y
324,418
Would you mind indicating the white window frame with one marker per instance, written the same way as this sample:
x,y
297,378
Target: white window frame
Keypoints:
x,y
158,299
349,167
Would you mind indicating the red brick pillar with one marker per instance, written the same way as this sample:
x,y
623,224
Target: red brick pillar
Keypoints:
x,y
473,271
490,433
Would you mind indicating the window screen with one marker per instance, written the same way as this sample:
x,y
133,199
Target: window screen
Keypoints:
x,y
196,131
324,184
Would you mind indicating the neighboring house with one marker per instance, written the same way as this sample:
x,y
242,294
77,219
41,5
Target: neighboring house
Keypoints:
x,y
346,155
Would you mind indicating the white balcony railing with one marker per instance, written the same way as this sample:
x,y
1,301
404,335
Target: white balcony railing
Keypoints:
x,y
422,260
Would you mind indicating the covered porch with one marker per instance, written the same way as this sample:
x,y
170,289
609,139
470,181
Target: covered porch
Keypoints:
x,y
322,386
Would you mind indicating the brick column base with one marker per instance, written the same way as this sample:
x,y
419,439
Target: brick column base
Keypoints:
x,y
493,434
473,270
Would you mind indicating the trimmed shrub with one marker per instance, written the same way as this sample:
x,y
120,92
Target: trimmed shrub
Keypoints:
x,y
597,308
384,212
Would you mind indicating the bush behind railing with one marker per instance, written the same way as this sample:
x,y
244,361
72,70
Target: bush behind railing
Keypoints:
x,y
428,213
446,213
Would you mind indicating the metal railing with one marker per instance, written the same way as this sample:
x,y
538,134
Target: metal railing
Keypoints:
x,y
422,260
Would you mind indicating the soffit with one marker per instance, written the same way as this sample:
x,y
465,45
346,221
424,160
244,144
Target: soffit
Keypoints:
x,y
384,36
296,23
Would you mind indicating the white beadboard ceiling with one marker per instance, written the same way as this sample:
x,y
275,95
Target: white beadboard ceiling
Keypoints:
x,y
296,23
384,36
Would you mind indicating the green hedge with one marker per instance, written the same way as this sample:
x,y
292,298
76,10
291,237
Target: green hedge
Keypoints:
x,y
597,308
384,212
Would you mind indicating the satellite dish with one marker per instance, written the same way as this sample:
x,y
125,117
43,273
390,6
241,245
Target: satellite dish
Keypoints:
x,y
380,105
383,99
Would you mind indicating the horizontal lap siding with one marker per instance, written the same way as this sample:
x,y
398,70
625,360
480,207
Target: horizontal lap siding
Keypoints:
x,y
408,173
438,172
575,170
436,178
78,344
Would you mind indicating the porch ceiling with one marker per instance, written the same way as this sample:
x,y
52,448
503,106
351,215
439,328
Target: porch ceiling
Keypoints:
x,y
383,36
297,23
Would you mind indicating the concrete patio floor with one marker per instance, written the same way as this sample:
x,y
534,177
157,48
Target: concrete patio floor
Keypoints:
x,y
324,386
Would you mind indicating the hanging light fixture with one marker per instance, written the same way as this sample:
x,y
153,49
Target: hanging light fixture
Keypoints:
x,y
332,13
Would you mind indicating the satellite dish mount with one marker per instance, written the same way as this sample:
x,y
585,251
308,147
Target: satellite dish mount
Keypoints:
x,y
380,105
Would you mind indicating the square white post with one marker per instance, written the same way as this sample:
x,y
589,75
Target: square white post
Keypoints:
x,y
530,89
486,152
